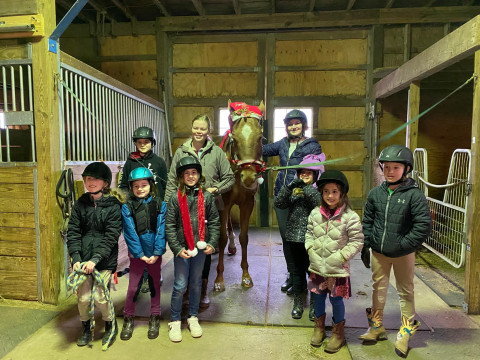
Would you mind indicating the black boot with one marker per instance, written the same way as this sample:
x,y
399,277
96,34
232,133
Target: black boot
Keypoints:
x,y
153,325
311,312
297,310
127,330
110,331
86,335
288,283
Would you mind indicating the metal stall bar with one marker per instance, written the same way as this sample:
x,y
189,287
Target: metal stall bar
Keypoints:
x,y
420,168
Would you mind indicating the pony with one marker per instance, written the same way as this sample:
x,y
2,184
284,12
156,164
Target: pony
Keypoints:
x,y
243,147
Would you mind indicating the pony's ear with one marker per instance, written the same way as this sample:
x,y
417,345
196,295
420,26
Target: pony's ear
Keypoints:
x,y
229,101
261,107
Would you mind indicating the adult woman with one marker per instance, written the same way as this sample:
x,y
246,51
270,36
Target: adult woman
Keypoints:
x,y
216,168
291,150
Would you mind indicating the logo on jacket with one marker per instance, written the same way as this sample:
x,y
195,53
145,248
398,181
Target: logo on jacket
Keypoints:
x,y
401,201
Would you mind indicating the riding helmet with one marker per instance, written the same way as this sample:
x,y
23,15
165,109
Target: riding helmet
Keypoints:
x,y
295,114
98,170
140,173
144,132
397,153
188,162
335,176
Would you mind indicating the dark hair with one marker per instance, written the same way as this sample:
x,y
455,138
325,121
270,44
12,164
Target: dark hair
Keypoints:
x,y
343,197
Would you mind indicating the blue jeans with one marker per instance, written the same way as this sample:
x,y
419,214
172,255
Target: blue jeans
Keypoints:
x,y
187,272
338,307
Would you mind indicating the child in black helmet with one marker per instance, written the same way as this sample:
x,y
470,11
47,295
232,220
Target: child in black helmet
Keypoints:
x,y
396,221
334,236
192,228
144,232
92,241
144,139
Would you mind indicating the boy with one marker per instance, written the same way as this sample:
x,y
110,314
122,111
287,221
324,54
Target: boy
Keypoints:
x,y
396,221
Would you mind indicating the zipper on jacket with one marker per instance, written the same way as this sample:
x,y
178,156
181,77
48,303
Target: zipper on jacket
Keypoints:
x,y
385,223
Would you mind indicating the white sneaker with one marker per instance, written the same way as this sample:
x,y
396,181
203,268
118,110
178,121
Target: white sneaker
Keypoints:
x,y
175,332
194,326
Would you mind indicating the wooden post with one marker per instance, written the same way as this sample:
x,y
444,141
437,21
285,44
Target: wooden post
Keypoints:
x,y
47,138
412,111
472,268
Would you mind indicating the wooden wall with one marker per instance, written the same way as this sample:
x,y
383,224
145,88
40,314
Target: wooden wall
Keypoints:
x,y
18,249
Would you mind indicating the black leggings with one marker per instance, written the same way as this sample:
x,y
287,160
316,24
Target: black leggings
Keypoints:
x,y
300,266
282,226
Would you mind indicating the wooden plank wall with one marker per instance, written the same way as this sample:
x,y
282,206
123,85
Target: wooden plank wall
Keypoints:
x,y
18,250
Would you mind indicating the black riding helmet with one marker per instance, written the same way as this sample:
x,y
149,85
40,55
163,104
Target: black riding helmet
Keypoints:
x,y
295,114
397,153
98,170
335,176
188,162
144,132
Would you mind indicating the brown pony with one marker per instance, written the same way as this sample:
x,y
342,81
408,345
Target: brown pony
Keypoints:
x,y
243,149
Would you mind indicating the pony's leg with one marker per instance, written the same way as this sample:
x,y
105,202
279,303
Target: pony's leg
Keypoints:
x,y
219,284
245,212
232,249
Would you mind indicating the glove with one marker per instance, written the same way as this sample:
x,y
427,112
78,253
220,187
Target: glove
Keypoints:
x,y
296,183
366,256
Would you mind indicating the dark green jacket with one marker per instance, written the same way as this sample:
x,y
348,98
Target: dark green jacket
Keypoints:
x,y
174,225
93,231
397,224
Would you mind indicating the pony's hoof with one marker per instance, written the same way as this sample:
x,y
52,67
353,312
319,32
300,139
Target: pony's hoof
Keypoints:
x,y
232,251
247,282
219,287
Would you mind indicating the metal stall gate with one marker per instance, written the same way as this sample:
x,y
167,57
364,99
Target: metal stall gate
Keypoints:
x,y
99,119
448,238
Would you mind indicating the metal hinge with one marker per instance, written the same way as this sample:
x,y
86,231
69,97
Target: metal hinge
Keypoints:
x,y
465,307
468,189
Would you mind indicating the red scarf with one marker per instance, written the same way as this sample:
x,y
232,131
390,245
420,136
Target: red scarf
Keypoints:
x,y
187,225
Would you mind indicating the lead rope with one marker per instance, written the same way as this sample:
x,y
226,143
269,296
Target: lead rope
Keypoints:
x,y
78,277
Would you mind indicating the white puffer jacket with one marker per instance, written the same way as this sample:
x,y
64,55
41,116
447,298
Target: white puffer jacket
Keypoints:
x,y
332,242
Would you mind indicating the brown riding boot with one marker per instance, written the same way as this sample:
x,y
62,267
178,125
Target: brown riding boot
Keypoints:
x,y
375,331
318,331
338,338
204,299
406,332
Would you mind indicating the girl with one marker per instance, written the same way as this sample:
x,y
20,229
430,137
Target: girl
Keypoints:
x,y
290,150
334,235
216,169
144,232
92,241
300,197
192,229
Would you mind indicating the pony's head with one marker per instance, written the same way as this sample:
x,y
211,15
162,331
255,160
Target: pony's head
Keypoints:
x,y
247,142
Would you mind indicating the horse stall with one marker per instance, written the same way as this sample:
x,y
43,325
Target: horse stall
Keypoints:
x,y
431,96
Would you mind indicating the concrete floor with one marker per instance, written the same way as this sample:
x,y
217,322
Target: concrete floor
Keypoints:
x,y
244,323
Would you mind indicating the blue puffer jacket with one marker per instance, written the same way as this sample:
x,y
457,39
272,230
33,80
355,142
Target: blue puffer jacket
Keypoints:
x,y
396,224
147,244
280,148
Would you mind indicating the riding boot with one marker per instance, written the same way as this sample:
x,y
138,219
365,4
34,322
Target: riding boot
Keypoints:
x,y
311,312
375,331
110,333
338,338
318,331
297,310
127,330
407,330
86,335
204,299
153,326
288,283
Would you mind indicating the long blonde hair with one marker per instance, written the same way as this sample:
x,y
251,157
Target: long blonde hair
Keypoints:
x,y
204,117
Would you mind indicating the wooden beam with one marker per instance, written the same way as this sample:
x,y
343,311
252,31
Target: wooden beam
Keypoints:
x,y
472,267
302,20
430,3
99,8
50,257
199,6
389,4
454,47
67,6
236,7
350,4
274,10
407,42
124,9
413,110
311,7
161,6
10,7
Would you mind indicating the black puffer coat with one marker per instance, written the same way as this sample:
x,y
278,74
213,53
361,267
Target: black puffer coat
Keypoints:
x,y
93,231
396,224
174,225
300,203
